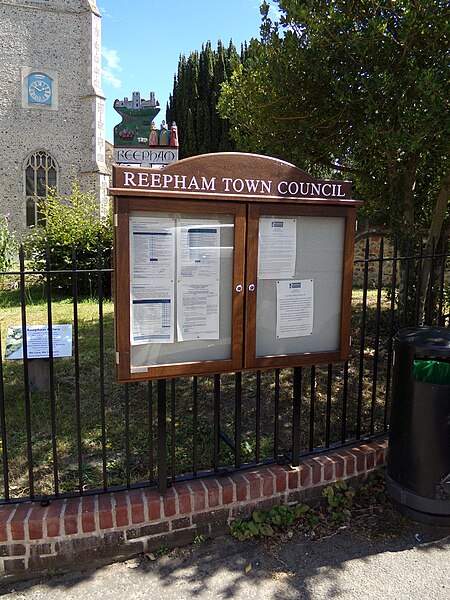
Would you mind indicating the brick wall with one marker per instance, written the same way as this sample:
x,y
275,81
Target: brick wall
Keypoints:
x,y
116,525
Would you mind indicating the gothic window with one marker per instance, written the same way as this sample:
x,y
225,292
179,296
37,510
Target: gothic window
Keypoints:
x,y
40,174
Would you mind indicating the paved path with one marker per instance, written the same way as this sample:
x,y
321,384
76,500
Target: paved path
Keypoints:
x,y
412,563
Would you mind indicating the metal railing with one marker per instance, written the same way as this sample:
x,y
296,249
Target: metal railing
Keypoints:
x,y
80,432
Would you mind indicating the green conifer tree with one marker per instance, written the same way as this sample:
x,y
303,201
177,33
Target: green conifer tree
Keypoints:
x,y
196,90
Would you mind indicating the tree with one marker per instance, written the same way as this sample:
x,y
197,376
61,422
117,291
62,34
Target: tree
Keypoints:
x,y
8,244
360,88
72,228
196,91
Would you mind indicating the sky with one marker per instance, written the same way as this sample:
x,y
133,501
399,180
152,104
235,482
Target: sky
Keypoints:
x,y
142,41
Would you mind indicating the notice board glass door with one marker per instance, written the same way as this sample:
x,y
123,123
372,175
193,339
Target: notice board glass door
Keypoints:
x,y
185,272
298,299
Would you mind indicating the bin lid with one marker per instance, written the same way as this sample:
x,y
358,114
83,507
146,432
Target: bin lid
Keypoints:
x,y
426,338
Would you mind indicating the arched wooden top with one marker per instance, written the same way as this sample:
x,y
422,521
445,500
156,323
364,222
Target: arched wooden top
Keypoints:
x,y
240,164
233,176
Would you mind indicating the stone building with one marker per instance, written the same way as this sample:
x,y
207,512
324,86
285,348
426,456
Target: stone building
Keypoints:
x,y
52,109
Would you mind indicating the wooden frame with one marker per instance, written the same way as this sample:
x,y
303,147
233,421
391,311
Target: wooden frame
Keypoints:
x,y
247,187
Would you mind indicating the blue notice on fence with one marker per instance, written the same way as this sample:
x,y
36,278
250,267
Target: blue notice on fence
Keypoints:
x,y
37,341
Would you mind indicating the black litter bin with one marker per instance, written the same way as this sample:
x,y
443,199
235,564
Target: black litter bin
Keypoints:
x,y
418,461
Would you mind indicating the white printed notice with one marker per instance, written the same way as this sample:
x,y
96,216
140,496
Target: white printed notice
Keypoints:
x,y
198,249
152,313
198,310
152,247
38,341
152,257
198,279
295,301
277,247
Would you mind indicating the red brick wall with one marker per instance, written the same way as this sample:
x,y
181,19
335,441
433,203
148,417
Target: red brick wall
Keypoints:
x,y
122,524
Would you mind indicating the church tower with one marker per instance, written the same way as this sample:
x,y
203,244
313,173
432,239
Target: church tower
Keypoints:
x,y
52,109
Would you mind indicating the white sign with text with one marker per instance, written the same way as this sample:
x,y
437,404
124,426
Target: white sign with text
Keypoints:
x,y
38,341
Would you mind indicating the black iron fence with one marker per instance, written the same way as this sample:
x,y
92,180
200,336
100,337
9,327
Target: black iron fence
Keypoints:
x,y
68,429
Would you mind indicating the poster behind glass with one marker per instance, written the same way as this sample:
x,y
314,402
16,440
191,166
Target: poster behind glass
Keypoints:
x,y
299,285
181,275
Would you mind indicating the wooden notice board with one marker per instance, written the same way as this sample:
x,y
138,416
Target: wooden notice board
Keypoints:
x,y
229,261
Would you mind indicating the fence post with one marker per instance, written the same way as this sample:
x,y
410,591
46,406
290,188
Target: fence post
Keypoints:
x,y
296,400
162,437
4,450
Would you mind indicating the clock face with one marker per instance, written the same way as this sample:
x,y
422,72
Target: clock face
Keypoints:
x,y
39,90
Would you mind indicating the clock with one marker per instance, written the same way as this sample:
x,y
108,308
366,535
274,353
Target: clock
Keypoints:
x,y
39,89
